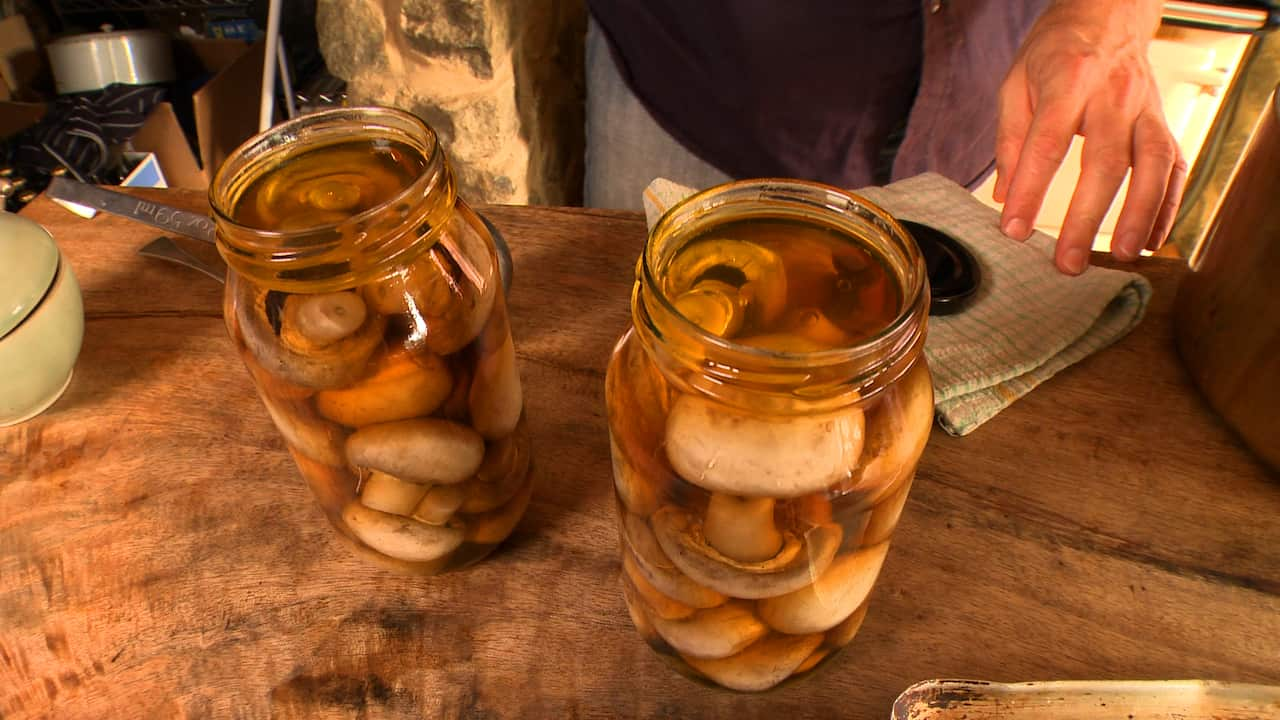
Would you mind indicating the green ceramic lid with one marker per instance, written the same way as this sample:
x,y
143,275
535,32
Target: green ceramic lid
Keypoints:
x,y
28,262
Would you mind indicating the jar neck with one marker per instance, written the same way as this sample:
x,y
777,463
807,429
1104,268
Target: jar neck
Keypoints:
x,y
794,381
359,249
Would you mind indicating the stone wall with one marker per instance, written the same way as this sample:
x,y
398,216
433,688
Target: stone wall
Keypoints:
x,y
500,80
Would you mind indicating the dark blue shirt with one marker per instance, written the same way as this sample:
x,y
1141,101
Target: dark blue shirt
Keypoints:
x,y
820,89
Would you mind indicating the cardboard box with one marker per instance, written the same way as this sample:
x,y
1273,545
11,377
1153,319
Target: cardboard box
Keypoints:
x,y
20,61
224,110
18,116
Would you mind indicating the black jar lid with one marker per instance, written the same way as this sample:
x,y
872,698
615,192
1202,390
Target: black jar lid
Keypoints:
x,y
954,273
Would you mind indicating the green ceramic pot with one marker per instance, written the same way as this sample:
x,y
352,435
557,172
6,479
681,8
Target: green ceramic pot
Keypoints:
x,y
41,320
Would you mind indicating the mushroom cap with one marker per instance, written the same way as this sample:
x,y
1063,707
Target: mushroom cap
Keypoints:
x,y
501,474
727,450
400,385
636,609
762,274
796,564
660,571
446,310
312,436
712,633
321,367
655,601
714,306
883,518
762,665
843,634
423,450
333,487
897,432
400,537
494,526
834,596
636,492
496,398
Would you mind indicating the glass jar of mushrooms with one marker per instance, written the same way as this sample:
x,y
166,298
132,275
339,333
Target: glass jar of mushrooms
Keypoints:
x,y
766,413
364,297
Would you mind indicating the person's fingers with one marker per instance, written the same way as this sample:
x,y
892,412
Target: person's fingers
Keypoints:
x,y
1014,121
1169,209
1046,144
1102,169
1154,154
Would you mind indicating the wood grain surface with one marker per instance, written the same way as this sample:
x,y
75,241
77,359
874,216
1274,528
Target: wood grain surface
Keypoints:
x,y
160,556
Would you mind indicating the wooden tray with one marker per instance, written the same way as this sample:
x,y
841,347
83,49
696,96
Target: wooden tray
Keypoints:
x,y
1085,700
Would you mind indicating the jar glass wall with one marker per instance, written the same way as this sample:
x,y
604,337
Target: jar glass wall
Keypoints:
x,y
364,298
766,413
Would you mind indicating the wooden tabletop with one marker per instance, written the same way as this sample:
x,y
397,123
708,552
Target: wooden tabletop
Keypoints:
x,y
161,557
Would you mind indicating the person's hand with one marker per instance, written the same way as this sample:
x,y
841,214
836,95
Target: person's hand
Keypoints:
x,y
1083,70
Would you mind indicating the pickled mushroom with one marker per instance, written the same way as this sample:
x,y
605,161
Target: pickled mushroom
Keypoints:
x,y
834,596
726,450
494,526
400,537
758,274
501,475
714,306
421,450
814,325
332,486
762,665
401,385
637,494
321,320
712,633
897,433
659,604
635,608
842,634
445,309
292,355
455,406
496,399
799,560
742,528
812,661
272,385
883,518
318,439
783,342
660,571
439,504
390,494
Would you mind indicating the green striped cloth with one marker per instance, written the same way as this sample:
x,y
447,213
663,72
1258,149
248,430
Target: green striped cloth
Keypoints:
x,y
1028,322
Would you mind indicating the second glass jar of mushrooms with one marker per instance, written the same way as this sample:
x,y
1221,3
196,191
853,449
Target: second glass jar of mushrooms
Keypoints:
x,y
766,413
365,299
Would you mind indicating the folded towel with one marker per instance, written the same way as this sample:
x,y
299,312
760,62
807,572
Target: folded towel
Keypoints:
x,y
1028,320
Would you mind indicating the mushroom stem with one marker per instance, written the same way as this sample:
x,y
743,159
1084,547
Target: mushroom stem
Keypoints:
x,y
323,319
742,528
